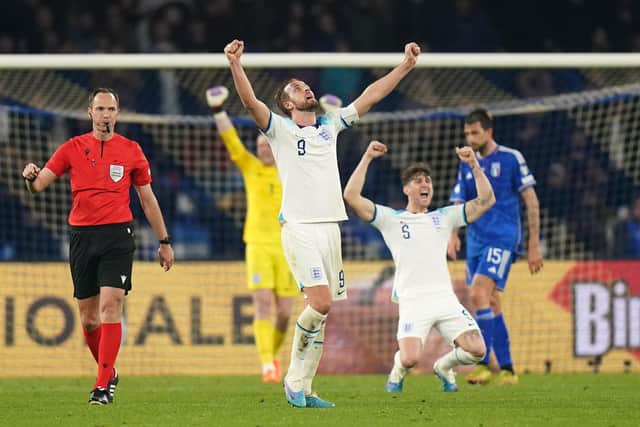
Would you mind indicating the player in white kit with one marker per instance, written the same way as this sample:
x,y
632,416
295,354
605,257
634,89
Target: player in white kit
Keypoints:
x,y
422,287
304,147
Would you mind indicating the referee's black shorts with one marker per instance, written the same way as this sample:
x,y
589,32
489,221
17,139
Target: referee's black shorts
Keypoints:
x,y
101,255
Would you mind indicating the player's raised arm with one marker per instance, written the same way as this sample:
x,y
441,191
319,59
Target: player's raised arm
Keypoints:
x,y
476,207
223,121
362,206
534,255
377,90
216,97
258,110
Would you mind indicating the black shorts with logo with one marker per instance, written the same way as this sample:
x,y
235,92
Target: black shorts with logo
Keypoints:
x,y
101,255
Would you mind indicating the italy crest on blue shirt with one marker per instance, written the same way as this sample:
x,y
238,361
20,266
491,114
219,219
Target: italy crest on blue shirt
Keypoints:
x,y
495,169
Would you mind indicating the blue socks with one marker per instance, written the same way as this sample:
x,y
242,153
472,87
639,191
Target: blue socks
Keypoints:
x,y
501,344
496,337
486,322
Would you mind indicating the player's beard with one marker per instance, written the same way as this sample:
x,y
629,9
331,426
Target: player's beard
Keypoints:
x,y
308,105
479,147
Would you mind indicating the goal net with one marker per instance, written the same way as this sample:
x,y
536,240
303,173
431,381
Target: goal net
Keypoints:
x,y
579,130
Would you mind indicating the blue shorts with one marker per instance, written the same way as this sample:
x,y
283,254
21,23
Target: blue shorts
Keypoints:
x,y
491,261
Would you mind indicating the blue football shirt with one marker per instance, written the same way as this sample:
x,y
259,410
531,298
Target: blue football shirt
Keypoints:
x,y
500,226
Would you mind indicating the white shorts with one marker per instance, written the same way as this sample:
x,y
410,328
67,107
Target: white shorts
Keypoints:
x,y
314,254
447,315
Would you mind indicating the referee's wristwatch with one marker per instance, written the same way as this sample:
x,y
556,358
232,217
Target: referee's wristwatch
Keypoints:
x,y
165,241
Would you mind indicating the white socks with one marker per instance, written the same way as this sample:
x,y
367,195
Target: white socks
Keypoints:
x,y
456,357
308,327
312,360
398,372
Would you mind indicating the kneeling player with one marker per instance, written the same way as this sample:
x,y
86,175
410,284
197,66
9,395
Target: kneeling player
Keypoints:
x,y
422,287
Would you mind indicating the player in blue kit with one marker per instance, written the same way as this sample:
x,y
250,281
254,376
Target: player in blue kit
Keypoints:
x,y
495,238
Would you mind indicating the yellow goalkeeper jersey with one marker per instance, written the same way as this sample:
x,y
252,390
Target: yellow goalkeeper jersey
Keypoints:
x,y
263,189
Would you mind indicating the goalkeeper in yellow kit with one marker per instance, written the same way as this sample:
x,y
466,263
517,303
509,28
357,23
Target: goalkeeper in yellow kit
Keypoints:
x,y
268,274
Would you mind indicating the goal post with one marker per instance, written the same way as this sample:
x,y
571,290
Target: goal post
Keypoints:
x,y
575,118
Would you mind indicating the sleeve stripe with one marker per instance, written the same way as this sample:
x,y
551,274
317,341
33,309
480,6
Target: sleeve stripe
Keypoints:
x,y
464,213
375,213
524,187
517,154
265,130
344,122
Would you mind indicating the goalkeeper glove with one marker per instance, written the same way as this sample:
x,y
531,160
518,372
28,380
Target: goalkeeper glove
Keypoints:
x,y
330,102
216,96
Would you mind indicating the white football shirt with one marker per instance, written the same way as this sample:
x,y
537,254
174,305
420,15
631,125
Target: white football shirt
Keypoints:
x,y
307,163
418,244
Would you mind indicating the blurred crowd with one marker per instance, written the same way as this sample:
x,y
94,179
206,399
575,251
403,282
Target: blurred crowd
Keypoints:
x,y
40,26
582,183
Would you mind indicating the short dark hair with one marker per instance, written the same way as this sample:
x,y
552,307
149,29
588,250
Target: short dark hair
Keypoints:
x,y
414,169
480,115
103,90
281,96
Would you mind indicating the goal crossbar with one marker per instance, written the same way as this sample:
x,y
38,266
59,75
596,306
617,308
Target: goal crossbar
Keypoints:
x,y
308,60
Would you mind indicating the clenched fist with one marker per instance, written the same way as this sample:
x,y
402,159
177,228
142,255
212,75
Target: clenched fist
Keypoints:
x,y
466,155
376,149
411,52
30,172
233,50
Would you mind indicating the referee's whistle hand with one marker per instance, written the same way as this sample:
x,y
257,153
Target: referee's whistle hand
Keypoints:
x,y
30,171
166,257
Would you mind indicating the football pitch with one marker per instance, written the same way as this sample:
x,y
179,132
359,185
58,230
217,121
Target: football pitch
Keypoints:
x,y
539,400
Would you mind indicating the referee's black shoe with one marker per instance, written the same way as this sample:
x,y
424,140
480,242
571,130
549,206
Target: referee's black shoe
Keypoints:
x,y
113,383
99,396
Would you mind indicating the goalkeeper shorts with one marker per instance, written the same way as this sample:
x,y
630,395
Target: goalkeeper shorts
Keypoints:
x,y
267,268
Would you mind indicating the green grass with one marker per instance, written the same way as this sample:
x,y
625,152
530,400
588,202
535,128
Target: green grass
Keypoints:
x,y
549,400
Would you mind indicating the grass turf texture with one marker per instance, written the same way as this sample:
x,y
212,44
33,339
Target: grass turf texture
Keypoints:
x,y
548,400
